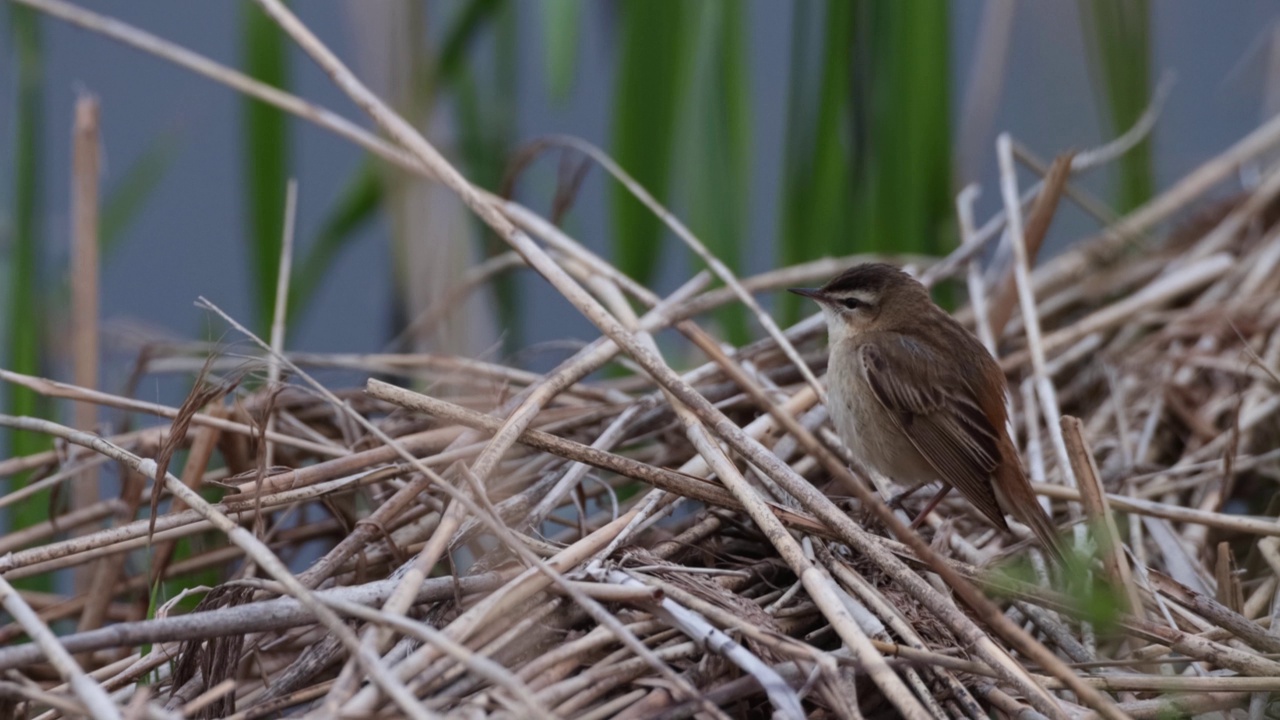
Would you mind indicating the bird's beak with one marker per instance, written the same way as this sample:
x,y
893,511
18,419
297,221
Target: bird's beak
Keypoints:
x,y
812,293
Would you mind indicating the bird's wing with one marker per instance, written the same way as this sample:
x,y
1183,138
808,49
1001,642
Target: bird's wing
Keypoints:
x,y
942,419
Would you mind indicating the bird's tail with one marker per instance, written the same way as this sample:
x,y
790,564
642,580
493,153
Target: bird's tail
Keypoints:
x,y
1019,500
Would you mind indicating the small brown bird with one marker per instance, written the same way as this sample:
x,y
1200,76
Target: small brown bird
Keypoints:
x,y
918,398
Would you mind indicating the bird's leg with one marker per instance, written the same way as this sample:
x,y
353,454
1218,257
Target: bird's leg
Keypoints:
x,y
929,508
895,502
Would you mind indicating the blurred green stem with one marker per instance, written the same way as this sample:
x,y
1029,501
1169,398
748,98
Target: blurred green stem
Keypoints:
x,y
817,191
26,312
655,53
265,163
868,151
718,159
1118,35
906,160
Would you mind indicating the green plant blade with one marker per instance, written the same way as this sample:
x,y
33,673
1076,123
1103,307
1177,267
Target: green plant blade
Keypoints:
x,y
1118,36
718,161
25,345
561,23
906,165
652,73
868,143
265,162
471,20
817,192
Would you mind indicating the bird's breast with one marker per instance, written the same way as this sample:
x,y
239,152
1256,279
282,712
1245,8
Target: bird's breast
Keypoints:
x,y
866,426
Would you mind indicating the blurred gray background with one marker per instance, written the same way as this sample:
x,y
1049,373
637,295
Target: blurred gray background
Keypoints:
x,y
187,240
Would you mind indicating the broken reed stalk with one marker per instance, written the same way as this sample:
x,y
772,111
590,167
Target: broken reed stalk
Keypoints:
x,y
85,176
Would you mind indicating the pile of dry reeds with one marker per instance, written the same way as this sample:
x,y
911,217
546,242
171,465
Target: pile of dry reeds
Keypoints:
x,y
665,544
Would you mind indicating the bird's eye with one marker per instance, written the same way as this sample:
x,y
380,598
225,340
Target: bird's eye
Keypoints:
x,y
852,303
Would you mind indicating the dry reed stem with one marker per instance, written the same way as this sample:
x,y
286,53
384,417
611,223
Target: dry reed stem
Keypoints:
x,y
977,239
399,602
785,702
1098,512
1039,218
239,536
281,305
1083,198
53,388
85,175
1027,303
276,614
89,692
682,232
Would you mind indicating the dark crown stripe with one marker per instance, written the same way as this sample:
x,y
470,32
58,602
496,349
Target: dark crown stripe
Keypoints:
x,y
871,277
